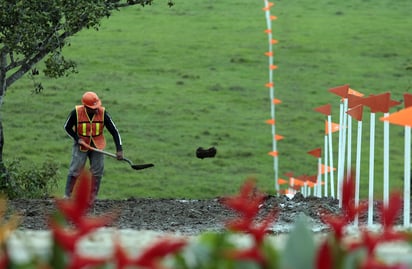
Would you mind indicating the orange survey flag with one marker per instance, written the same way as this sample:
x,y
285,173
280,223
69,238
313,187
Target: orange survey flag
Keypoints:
x,y
316,152
335,127
326,109
356,112
341,91
402,117
323,169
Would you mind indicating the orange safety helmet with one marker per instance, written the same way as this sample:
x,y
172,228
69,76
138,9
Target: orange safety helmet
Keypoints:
x,y
90,99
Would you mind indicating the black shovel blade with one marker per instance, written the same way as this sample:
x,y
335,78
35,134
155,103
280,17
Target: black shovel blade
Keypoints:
x,y
142,166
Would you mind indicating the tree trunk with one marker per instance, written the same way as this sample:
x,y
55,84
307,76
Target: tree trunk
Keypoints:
x,y
3,86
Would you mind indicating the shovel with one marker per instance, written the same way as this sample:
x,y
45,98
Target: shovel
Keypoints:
x,y
134,166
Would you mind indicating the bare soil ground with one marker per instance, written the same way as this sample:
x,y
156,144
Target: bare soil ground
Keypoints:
x,y
182,216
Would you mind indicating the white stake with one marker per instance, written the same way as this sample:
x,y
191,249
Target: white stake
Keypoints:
x,y
349,147
371,168
386,161
358,167
332,184
407,178
325,174
319,179
342,147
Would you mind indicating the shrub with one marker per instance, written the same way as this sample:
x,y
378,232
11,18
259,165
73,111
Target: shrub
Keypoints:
x,y
26,180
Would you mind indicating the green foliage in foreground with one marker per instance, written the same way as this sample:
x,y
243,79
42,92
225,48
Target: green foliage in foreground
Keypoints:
x,y
194,75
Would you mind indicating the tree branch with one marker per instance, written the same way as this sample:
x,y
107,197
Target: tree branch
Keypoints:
x,y
27,65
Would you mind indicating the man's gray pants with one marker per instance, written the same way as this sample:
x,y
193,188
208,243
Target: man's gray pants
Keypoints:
x,y
77,164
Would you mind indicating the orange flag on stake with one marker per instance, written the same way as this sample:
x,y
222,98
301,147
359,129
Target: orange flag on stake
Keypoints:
x,y
270,4
356,112
354,100
354,92
271,121
276,101
269,84
310,184
323,169
326,109
282,181
380,103
278,137
335,127
407,98
273,153
383,102
393,103
341,91
313,178
402,117
316,152
298,182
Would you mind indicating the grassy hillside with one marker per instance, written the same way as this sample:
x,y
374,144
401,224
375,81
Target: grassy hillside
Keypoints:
x,y
193,75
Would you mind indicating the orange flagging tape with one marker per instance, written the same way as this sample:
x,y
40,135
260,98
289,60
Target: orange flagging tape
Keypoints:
x,y
276,101
278,137
298,182
266,8
269,85
282,181
273,153
274,41
272,18
324,169
271,121
269,53
273,67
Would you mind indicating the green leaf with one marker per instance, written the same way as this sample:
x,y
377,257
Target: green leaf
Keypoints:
x,y
299,251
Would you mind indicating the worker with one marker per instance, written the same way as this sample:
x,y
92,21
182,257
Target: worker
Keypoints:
x,y
85,126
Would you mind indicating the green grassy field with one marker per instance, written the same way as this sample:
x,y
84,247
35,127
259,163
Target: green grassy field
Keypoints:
x,y
193,75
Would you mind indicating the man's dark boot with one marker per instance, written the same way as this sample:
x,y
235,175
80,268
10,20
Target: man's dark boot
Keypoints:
x,y
95,188
71,181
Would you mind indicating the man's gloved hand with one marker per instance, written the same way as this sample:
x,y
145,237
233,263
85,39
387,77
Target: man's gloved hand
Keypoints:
x,y
81,142
119,155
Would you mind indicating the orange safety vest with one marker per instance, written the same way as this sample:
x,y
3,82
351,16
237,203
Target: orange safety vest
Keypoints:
x,y
91,130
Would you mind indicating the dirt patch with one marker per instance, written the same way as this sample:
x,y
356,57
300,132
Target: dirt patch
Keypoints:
x,y
178,215
183,216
